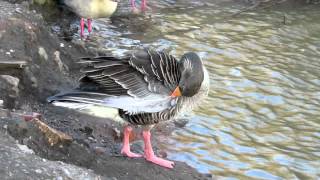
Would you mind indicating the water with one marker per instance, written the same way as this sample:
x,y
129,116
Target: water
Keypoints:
x,y
262,117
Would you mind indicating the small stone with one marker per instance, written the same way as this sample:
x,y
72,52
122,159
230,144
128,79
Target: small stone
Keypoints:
x,y
61,45
116,133
18,10
25,149
31,77
99,150
67,172
59,178
92,139
42,53
10,80
162,154
9,90
25,141
38,171
181,122
208,175
11,50
8,53
57,59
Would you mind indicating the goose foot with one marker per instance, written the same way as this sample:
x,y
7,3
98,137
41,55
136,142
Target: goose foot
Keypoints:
x,y
126,145
149,154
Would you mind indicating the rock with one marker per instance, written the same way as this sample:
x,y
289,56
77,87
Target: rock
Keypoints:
x,y
180,122
18,163
62,67
162,154
99,150
25,149
42,53
9,91
87,130
116,133
18,128
32,54
9,83
33,82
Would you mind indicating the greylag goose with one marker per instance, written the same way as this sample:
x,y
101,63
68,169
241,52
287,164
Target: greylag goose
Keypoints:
x,y
90,9
148,87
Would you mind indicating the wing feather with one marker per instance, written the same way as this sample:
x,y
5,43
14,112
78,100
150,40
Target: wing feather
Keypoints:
x,y
145,73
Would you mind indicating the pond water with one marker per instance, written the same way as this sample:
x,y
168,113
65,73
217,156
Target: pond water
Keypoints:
x,y
262,117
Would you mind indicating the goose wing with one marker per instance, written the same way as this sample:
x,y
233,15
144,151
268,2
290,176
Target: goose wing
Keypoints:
x,y
141,82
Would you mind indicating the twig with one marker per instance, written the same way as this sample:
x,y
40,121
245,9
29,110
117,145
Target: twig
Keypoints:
x,y
13,64
53,136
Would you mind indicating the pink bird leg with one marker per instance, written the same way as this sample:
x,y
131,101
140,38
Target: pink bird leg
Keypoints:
x,y
31,117
126,145
133,4
143,5
81,27
149,154
89,25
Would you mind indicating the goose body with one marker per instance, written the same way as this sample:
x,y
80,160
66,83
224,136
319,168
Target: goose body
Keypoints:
x,y
90,9
147,87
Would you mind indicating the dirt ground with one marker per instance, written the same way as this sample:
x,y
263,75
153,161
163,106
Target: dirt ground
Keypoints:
x,y
34,64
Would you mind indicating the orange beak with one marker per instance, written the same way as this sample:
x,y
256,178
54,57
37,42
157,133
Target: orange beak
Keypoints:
x,y
176,92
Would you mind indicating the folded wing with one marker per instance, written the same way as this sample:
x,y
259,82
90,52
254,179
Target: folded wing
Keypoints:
x,y
141,82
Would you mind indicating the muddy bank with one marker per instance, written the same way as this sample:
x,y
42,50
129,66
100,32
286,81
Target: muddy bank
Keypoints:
x,y
87,146
20,162
34,64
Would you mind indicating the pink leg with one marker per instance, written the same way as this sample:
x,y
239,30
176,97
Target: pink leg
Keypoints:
x,y
89,25
133,4
126,146
143,5
81,27
149,154
31,117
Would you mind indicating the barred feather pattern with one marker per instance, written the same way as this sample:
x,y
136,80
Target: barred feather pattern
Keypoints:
x,y
162,67
183,105
158,73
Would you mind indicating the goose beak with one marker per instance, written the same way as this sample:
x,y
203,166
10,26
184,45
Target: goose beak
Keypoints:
x,y
176,92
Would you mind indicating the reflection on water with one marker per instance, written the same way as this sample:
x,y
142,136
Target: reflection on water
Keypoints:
x,y
262,117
